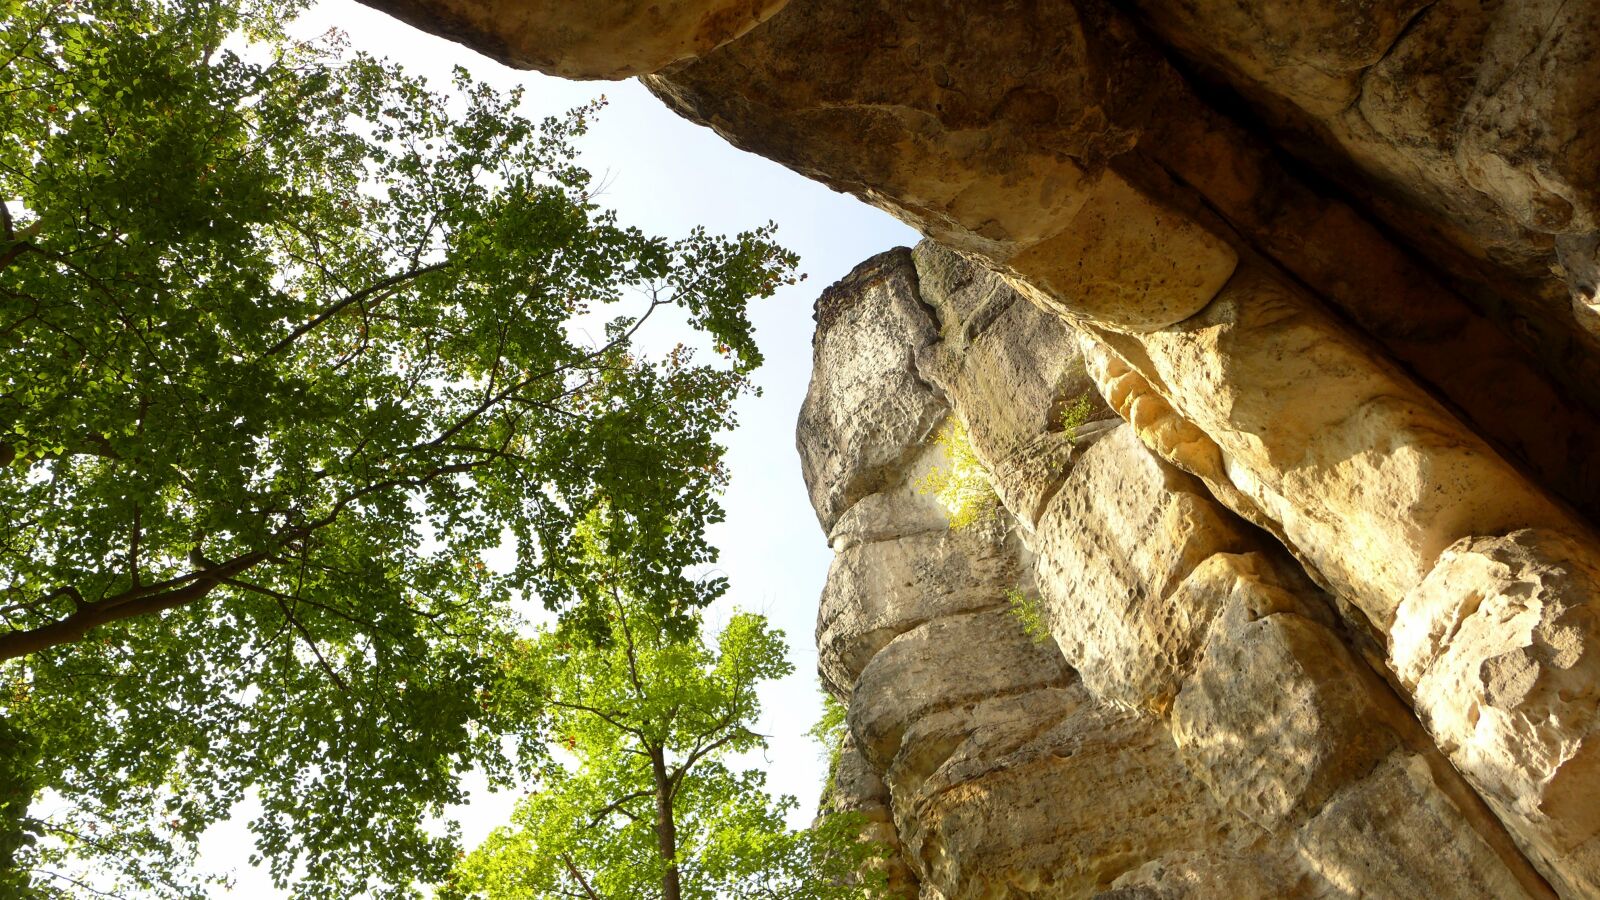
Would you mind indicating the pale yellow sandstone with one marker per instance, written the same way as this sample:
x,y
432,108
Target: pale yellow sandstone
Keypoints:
x,y
1498,647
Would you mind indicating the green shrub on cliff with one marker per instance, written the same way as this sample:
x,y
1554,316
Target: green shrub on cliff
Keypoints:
x,y
964,489
1029,614
1075,416
829,732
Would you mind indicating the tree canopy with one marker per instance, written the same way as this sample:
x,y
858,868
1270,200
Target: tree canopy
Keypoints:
x,y
289,341
648,804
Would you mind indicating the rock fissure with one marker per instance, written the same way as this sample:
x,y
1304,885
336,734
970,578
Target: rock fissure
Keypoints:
x,y
1196,684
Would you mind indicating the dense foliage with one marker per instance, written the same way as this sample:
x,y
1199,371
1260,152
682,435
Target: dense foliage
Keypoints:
x,y
829,732
289,342
648,804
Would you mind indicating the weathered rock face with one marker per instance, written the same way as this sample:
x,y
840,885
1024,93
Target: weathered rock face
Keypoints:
x,y
608,39
1198,725
1323,611
875,412
1472,120
1057,142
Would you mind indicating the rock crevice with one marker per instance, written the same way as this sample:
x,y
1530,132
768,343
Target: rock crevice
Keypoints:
x,y
1196,725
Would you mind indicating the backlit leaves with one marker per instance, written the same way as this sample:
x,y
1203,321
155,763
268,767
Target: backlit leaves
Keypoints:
x,y
290,344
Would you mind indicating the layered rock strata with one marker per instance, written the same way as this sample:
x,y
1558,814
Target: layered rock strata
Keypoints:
x,y
1197,726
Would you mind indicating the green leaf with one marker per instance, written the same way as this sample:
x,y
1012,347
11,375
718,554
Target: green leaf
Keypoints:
x,y
647,718
261,430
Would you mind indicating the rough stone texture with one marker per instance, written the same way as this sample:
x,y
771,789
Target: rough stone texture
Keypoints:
x,y
1528,757
1196,728
1184,875
1050,107
1002,767
946,662
1276,719
860,422
877,591
969,721
1498,646
1016,368
903,104
1474,118
1365,473
607,39
1395,834
1115,545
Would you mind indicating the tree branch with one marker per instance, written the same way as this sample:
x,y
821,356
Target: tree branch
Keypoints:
x,y
566,859
16,242
698,754
393,282
136,601
627,634
133,547
616,806
592,711
312,643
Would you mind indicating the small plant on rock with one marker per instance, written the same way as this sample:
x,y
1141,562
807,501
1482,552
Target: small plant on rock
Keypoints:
x,y
829,732
963,489
1075,416
1028,612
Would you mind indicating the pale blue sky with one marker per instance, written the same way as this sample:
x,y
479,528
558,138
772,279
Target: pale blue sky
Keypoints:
x,y
666,175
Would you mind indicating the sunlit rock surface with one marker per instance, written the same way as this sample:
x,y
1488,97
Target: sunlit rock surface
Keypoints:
x,y
1196,724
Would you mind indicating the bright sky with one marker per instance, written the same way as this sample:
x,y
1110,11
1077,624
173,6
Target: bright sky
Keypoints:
x,y
666,175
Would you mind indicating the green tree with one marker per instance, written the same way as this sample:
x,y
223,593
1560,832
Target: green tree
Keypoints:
x,y
19,768
649,806
829,732
288,342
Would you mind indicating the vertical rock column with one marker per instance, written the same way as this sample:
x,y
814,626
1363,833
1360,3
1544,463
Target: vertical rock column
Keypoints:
x,y
1133,752
1003,773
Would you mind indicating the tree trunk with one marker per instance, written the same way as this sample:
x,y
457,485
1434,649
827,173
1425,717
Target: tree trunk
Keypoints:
x,y
666,826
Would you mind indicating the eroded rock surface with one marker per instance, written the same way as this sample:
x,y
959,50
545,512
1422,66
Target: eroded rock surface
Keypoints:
x,y
607,39
859,423
1473,120
1197,725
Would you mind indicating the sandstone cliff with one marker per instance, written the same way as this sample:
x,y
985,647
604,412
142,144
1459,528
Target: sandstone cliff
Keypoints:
x,y
1322,583
1201,723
